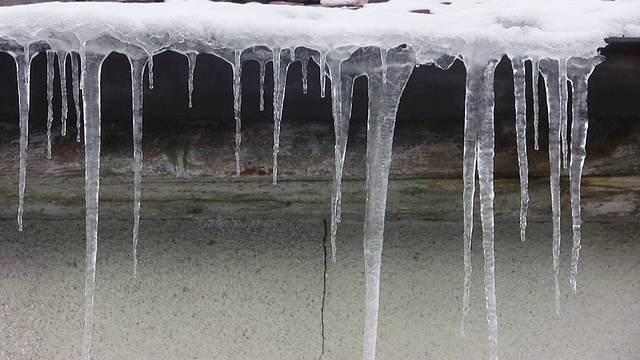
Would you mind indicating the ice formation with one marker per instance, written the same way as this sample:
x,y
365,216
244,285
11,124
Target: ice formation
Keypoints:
x,y
383,42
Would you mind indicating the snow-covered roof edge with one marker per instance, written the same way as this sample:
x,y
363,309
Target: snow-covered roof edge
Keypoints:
x,y
557,29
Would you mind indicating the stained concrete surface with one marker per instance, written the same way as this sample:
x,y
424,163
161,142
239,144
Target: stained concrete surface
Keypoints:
x,y
245,279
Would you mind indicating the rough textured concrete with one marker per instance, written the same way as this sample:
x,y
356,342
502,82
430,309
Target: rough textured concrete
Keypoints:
x,y
247,287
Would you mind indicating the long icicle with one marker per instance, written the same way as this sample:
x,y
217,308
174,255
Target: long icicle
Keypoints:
x,y
579,71
341,97
137,96
263,65
91,101
50,75
62,70
75,84
384,98
486,151
237,105
480,133
564,119
519,84
323,76
192,58
277,110
150,71
535,74
281,64
340,138
305,82
23,64
550,70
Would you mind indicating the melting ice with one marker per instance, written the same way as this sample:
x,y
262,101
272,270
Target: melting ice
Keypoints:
x,y
345,44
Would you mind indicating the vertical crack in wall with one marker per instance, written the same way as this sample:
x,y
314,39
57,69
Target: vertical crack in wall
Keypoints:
x,y
324,286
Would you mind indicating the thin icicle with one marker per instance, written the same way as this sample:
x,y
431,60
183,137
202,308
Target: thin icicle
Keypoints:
x,y
535,74
191,59
470,159
323,78
579,71
305,82
75,83
23,64
292,53
564,119
281,64
91,101
50,75
341,97
383,60
237,105
478,155
277,112
383,105
137,95
150,70
263,65
519,84
550,70
304,54
62,70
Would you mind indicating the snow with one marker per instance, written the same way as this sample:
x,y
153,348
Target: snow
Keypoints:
x,y
383,42
531,27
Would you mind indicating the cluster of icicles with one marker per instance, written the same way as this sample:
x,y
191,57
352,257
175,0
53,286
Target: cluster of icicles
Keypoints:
x,y
387,70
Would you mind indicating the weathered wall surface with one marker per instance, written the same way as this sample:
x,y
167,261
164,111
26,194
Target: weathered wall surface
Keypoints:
x,y
185,149
197,141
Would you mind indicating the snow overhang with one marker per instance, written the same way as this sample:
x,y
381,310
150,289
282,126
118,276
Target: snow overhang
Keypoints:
x,y
557,29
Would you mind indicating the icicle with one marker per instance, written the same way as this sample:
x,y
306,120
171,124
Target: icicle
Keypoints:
x,y
137,95
237,105
341,97
280,67
519,84
550,69
263,65
75,83
323,79
383,105
62,69
50,74
150,69
479,150
23,64
383,59
305,83
564,119
292,52
191,59
535,73
91,101
579,71
304,54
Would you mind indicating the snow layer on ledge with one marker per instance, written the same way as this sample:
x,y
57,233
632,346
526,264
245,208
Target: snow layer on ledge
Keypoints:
x,y
535,28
